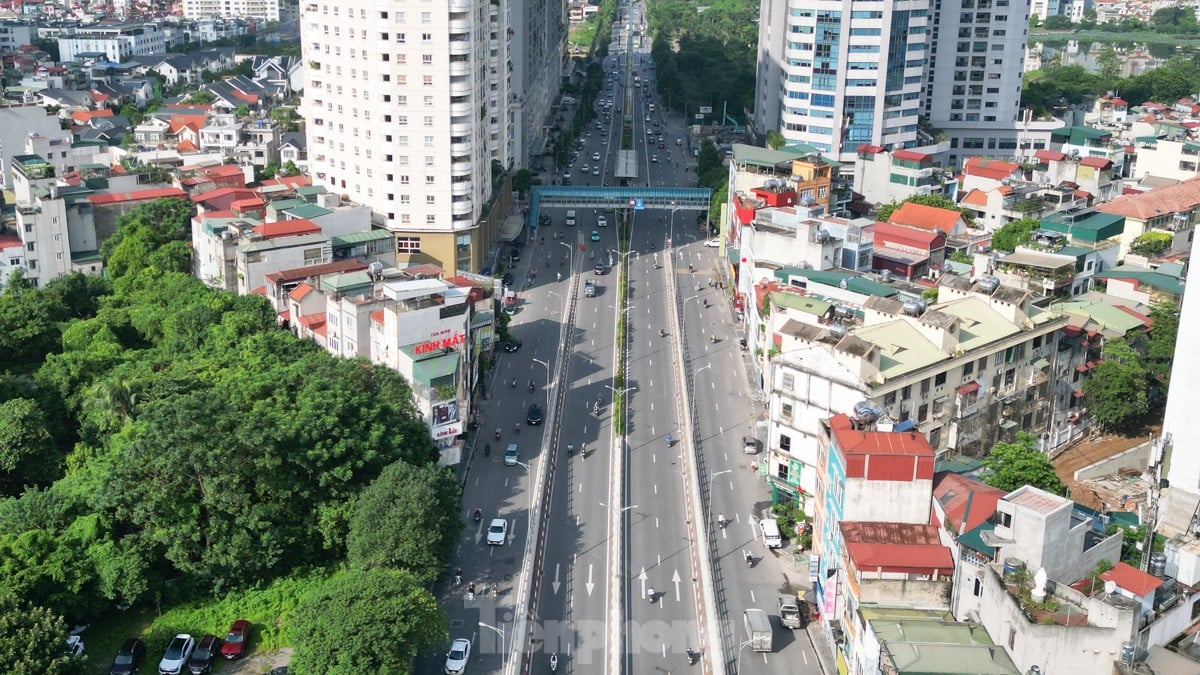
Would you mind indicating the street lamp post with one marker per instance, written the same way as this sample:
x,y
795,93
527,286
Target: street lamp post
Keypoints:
x,y
714,477
499,631
570,252
549,384
738,667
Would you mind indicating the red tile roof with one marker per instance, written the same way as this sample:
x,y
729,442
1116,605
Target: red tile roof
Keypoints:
x,y
1049,156
297,181
7,241
1178,198
967,502
1132,579
868,149
301,273
287,228
185,146
1095,162
82,116
313,320
929,238
224,196
925,217
910,156
137,196
299,292
975,197
896,547
882,455
193,122
863,532
990,168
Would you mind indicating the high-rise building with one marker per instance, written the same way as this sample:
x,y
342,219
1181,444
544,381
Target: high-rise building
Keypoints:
x,y
838,75
262,10
409,105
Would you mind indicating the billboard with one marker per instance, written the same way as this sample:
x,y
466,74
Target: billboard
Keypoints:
x,y
445,413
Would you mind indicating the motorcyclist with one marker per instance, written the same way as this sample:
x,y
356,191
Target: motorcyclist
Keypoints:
x,y
531,385
477,514
670,439
721,520
650,594
517,428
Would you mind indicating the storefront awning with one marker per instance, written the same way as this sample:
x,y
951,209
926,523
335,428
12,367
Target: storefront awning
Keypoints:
x,y
435,368
968,388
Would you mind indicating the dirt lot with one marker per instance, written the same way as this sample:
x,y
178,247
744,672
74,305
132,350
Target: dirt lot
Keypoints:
x,y
1089,451
257,663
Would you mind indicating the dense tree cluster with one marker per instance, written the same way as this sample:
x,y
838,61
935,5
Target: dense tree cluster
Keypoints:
x,y
1125,386
1009,466
1056,87
155,430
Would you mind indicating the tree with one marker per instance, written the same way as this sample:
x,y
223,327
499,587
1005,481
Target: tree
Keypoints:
x,y
775,140
27,452
1110,64
1160,346
289,169
1116,391
522,181
152,235
32,639
366,621
1013,465
1058,22
408,519
1013,234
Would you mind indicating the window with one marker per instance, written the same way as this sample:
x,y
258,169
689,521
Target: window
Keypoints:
x,y
923,412
785,411
785,442
427,59
889,399
788,382
968,368
408,244
781,472
430,199
906,392
939,379
29,246
312,255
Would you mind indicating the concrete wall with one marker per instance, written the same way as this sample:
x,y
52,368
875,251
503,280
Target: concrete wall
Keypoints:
x,y
1053,648
917,593
891,501
1169,624
1137,458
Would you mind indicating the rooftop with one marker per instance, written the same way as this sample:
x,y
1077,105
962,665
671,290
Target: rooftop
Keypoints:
x,y
1106,315
765,157
1036,500
1162,282
990,168
853,282
1132,579
902,348
287,228
967,502
931,642
924,217
1178,198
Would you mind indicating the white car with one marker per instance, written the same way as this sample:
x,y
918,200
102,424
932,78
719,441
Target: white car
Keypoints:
x,y
713,243
177,655
457,657
585,168
497,532
601,221
595,157
595,171
654,158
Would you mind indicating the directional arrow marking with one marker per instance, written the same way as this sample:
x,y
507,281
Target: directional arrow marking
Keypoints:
x,y
589,585
555,583
642,578
675,580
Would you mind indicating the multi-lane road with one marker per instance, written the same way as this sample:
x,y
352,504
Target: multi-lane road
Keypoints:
x,y
617,520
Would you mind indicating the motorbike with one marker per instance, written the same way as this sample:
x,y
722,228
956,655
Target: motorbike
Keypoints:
x,y
531,386
749,559
477,515
595,408
487,450
517,428
721,521
514,383
553,662
497,433
650,595
670,440
662,333
691,656
712,339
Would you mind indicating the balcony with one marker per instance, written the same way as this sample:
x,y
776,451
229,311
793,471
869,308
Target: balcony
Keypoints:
x,y
461,207
460,146
460,106
460,66
459,25
460,126
459,5
460,47
460,188
461,168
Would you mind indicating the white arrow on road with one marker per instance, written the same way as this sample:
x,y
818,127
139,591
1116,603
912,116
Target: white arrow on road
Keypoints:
x,y
642,578
589,585
675,580
555,583
479,532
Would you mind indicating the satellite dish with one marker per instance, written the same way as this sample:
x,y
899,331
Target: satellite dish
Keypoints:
x,y
1110,587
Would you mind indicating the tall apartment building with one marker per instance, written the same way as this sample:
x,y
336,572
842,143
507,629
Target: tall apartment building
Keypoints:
x,y
410,105
836,75
262,10
840,75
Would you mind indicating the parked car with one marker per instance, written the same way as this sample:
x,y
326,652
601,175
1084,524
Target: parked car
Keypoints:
x,y
129,657
236,640
457,657
497,532
203,656
713,243
177,654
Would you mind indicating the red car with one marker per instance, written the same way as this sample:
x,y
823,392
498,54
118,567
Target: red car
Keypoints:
x,y
235,642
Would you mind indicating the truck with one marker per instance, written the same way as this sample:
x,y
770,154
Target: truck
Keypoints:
x,y
789,612
758,630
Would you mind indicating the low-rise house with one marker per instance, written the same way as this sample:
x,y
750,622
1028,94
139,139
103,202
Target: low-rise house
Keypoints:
x,y
1177,158
906,640
907,252
1093,178
293,147
221,135
284,73
931,218
1144,286
883,176
1172,211
987,174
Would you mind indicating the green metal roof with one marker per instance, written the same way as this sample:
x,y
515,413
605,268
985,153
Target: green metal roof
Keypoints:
x,y
960,464
346,282
431,369
931,642
285,204
1158,280
1146,139
1090,226
973,539
752,154
1104,314
360,237
309,211
85,256
306,190
1078,134
854,283
801,303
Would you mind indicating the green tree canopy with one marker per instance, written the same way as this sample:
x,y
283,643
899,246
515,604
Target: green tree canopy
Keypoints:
x,y
1160,346
365,621
1116,391
775,140
1014,234
408,519
27,452
33,640
1013,465
153,235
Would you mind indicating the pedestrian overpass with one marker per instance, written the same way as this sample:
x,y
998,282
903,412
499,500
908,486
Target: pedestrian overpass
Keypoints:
x,y
639,198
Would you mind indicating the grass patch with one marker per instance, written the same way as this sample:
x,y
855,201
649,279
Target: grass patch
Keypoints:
x,y
265,608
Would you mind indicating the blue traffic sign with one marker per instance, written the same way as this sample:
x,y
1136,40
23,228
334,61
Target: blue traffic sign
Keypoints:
x,y
638,205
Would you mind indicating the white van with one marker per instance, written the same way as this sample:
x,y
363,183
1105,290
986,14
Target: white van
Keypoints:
x,y
770,533
571,217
